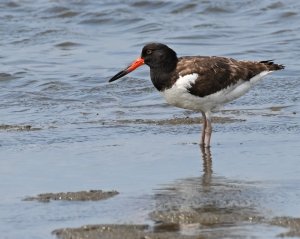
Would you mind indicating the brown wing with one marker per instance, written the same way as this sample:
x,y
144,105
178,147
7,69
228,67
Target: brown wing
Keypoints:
x,y
217,73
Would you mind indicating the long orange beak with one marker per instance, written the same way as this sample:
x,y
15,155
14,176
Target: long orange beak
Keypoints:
x,y
137,63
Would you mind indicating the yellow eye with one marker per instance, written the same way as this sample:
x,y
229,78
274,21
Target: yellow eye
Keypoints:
x,y
149,52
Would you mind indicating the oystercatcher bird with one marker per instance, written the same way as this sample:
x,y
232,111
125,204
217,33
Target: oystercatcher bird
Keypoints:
x,y
199,83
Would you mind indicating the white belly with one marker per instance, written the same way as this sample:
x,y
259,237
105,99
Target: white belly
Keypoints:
x,y
178,95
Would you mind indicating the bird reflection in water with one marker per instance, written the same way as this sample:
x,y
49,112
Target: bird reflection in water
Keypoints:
x,y
207,166
200,205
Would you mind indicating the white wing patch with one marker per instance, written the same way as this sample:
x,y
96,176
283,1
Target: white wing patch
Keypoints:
x,y
179,95
185,82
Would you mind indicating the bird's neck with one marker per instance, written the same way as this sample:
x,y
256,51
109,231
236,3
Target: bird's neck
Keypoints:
x,y
163,76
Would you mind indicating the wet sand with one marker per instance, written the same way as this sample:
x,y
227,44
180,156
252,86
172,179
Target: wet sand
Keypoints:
x,y
209,206
127,231
206,207
180,121
117,231
18,127
92,195
173,121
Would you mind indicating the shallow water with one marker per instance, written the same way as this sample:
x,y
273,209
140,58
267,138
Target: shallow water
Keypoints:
x,y
64,128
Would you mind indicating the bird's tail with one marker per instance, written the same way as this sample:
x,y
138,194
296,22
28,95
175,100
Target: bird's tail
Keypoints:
x,y
272,66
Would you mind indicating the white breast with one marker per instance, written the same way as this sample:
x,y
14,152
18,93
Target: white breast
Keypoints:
x,y
178,95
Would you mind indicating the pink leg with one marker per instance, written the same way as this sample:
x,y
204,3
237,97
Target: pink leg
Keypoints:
x,y
203,130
